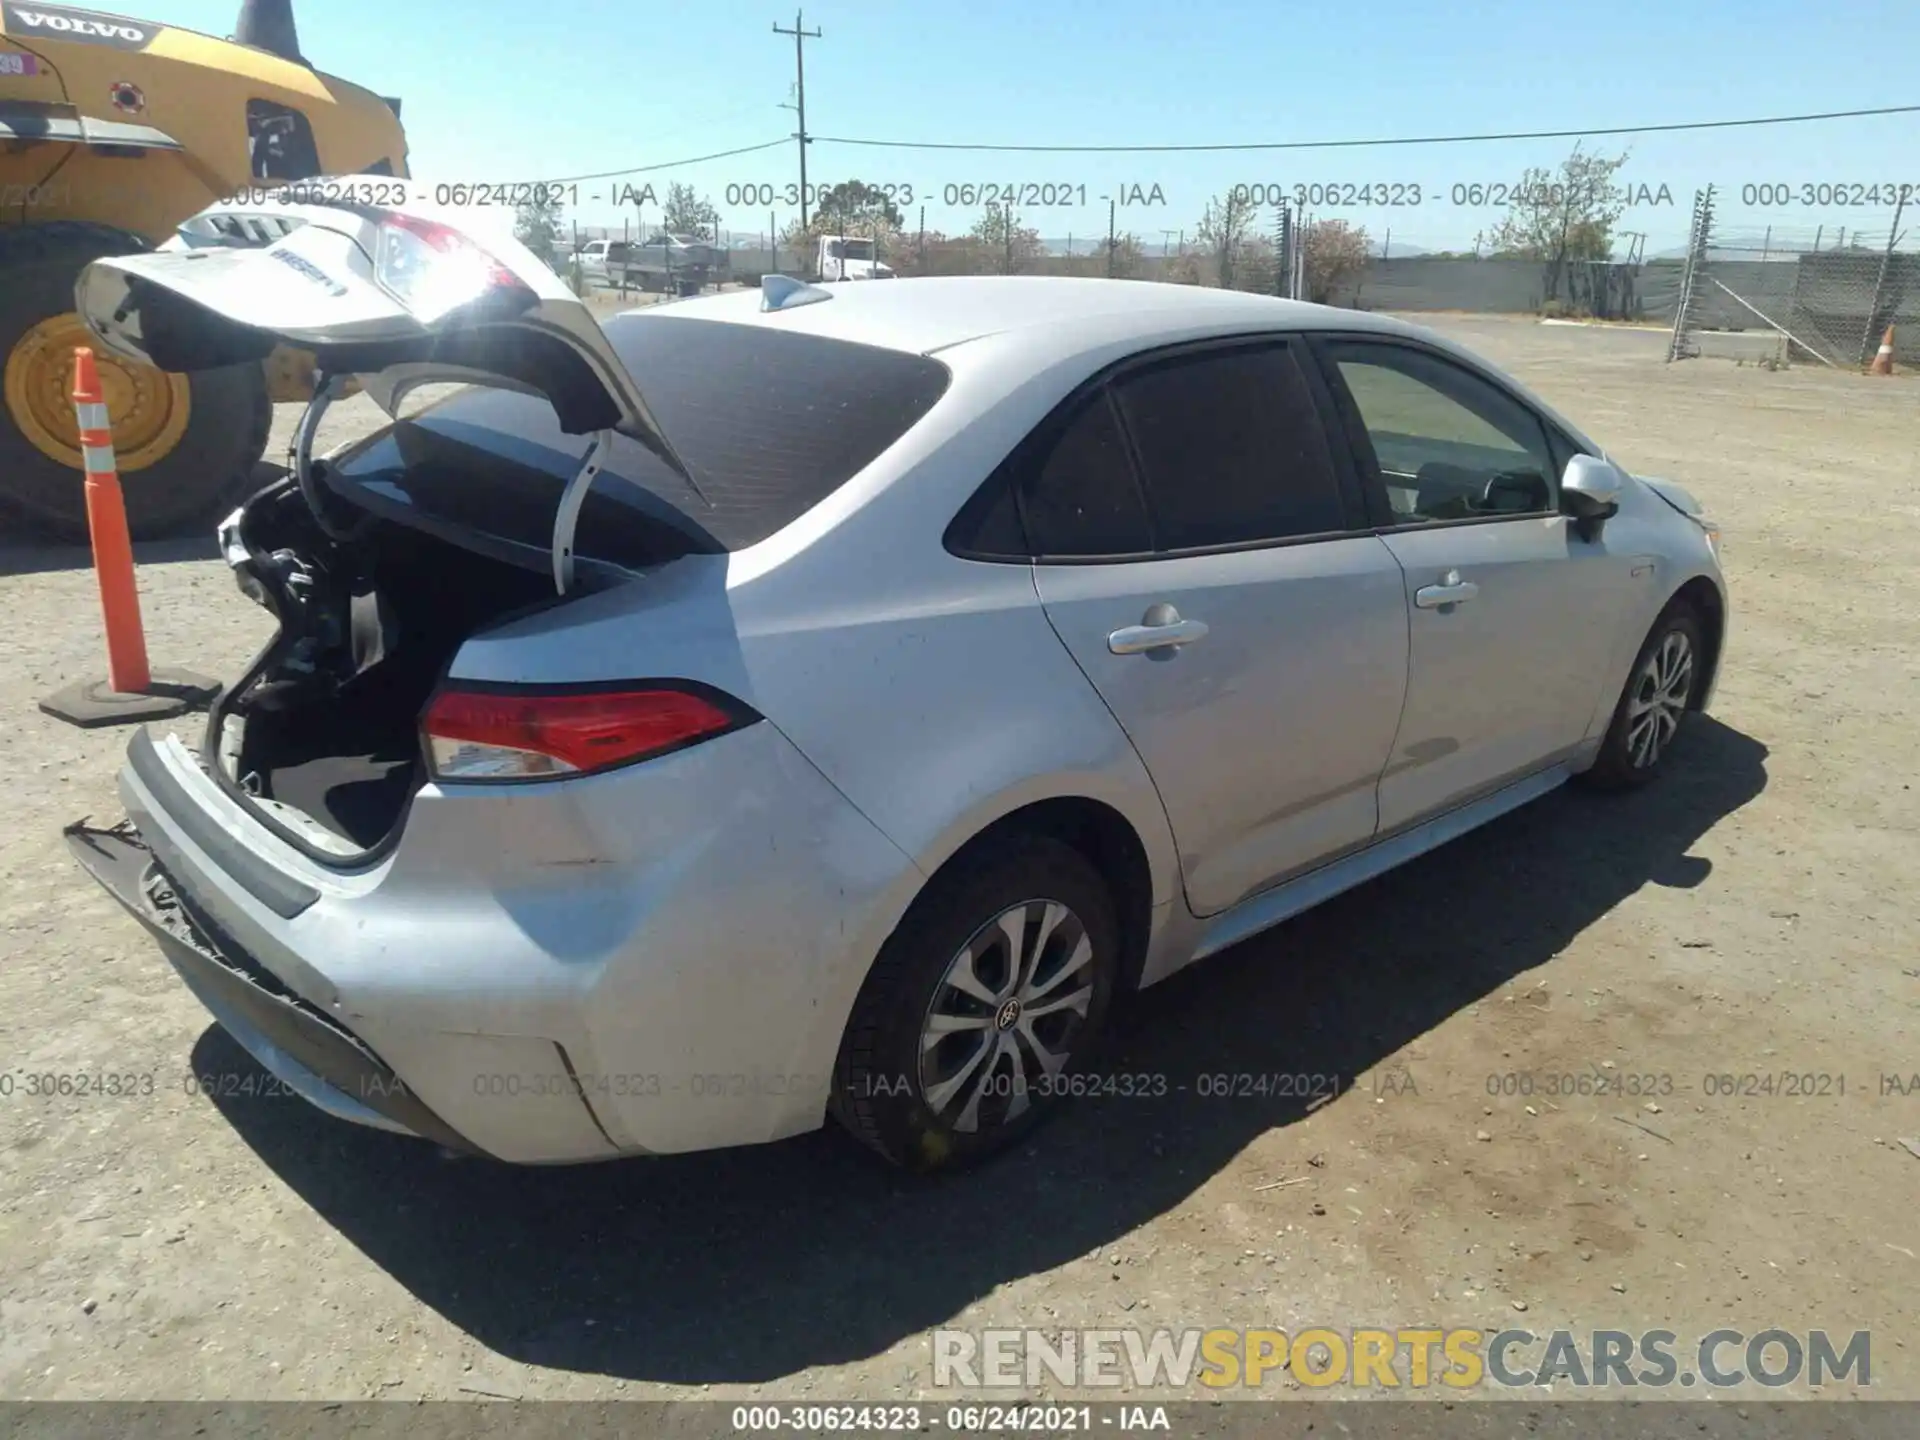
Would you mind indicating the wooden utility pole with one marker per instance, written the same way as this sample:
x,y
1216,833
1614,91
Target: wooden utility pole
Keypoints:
x,y
800,37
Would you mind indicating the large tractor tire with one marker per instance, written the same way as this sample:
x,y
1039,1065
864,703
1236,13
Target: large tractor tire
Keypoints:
x,y
186,445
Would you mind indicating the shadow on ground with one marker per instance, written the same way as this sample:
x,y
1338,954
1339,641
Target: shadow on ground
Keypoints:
x,y
26,550
746,1265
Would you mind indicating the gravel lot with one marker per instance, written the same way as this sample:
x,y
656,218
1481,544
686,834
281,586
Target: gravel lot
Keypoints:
x,y
1753,915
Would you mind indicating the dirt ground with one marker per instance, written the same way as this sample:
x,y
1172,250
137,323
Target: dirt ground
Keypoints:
x,y
1754,915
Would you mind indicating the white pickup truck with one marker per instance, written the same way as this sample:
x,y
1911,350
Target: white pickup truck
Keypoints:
x,y
849,257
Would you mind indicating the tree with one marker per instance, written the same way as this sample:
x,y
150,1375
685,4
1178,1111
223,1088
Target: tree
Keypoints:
x,y
1256,266
1224,232
1183,268
1004,246
1122,255
1563,218
537,224
934,253
689,213
1334,255
854,207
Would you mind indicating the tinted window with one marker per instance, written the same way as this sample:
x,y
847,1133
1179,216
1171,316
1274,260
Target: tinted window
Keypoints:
x,y
1447,444
1078,493
1232,449
988,526
770,422
494,462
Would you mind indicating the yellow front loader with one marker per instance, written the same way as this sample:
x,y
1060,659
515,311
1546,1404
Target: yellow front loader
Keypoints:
x,y
113,131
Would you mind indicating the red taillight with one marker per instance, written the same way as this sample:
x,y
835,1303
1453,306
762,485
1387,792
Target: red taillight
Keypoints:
x,y
515,733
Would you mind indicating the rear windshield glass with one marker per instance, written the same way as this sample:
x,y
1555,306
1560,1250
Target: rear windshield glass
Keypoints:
x,y
771,422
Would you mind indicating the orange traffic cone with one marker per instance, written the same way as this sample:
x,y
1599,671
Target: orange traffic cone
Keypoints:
x,y
132,690
1883,362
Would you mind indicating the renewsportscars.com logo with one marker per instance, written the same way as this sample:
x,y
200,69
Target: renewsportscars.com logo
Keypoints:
x,y
1409,1358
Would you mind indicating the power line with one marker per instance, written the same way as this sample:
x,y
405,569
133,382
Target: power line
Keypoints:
x,y
667,164
1354,144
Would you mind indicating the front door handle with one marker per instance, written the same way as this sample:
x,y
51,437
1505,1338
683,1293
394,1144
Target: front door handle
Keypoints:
x,y
1451,590
1161,628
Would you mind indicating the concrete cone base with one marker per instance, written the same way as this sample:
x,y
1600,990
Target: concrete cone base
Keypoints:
x,y
93,703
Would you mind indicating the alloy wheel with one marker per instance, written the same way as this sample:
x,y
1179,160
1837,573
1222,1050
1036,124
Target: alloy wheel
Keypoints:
x,y
1659,698
1006,1015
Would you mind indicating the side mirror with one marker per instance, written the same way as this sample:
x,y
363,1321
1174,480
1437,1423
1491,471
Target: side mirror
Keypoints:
x,y
1590,493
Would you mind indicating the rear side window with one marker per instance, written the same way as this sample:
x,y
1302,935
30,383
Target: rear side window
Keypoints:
x,y
1078,494
1232,449
770,422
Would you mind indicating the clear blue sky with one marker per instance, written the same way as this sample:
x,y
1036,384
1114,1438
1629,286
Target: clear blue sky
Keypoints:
x,y
500,91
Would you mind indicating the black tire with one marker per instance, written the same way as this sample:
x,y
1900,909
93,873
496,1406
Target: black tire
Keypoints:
x,y
1617,767
206,471
879,1089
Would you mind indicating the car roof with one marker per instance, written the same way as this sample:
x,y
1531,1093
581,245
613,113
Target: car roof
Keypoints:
x,y
927,314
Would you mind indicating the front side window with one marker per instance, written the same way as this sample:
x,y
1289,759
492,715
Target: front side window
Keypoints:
x,y
1232,449
1447,444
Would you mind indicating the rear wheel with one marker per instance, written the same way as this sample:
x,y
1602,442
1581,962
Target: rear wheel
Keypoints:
x,y
1659,695
185,445
984,1002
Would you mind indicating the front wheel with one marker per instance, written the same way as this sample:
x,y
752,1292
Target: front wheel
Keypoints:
x,y
983,1004
1658,697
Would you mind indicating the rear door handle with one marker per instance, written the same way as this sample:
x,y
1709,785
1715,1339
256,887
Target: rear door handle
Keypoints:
x,y
1451,590
1166,634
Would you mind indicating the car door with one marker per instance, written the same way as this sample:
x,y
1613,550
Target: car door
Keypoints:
x,y
1204,558
1512,615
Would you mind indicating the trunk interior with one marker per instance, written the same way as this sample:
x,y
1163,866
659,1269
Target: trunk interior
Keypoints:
x,y
322,734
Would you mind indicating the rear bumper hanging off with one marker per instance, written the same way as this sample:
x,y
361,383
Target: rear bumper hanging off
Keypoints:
x,y
312,1054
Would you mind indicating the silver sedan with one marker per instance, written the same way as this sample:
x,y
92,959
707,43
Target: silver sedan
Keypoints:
x,y
827,700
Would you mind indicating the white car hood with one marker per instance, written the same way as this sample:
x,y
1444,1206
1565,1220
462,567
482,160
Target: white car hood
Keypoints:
x,y
200,308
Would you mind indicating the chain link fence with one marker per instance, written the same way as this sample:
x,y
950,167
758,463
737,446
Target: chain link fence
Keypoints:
x,y
1829,293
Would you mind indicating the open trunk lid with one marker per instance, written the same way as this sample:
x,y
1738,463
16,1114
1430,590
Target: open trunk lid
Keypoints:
x,y
399,295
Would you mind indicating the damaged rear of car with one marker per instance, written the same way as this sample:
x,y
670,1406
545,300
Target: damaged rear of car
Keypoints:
x,y
416,865
378,564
